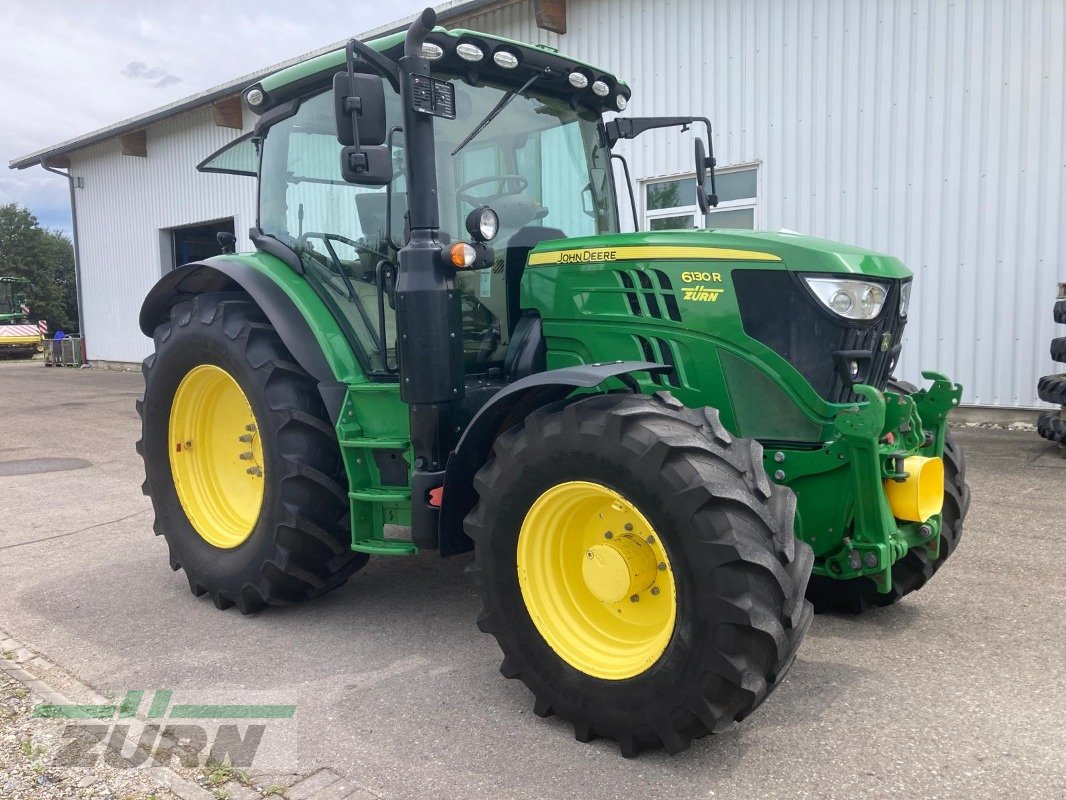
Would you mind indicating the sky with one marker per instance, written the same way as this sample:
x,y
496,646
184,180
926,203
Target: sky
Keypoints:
x,y
70,66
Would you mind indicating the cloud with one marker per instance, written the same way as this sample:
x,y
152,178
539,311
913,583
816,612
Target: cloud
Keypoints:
x,y
133,57
157,76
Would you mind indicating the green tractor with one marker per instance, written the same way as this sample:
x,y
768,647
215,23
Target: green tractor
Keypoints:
x,y
443,342
18,336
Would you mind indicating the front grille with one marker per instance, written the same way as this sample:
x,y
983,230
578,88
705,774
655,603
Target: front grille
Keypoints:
x,y
778,310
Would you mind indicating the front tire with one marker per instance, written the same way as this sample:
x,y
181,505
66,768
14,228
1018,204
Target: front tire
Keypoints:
x,y
678,492
241,461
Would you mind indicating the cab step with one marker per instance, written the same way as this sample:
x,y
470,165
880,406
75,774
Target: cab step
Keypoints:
x,y
380,495
384,547
374,443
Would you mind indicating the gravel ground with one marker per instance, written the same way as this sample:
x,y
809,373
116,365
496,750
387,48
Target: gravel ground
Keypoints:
x,y
30,748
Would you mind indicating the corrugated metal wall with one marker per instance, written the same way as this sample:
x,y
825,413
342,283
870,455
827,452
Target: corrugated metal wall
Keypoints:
x,y
126,206
928,129
935,131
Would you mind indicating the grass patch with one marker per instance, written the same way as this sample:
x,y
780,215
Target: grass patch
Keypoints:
x,y
217,774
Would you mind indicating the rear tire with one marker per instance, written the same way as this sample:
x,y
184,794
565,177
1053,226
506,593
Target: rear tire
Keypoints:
x,y
1052,389
738,571
912,571
299,545
1052,426
1058,349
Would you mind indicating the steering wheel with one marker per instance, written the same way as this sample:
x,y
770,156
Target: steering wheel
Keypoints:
x,y
485,199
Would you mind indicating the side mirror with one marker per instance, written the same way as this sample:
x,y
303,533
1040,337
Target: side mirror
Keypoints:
x,y
227,241
359,106
367,166
706,200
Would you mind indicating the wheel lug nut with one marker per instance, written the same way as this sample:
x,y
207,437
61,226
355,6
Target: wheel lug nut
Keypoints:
x,y
188,445
245,437
250,428
634,598
608,535
662,566
654,589
256,471
629,526
246,456
650,540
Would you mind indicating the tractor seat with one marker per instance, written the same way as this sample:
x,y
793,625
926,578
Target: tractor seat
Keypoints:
x,y
521,243
527,352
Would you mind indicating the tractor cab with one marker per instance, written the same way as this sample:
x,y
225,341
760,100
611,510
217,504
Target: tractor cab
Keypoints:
x,y
521,143
13,299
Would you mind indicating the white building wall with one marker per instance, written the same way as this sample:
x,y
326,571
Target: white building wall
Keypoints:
x,y
934,131
124,209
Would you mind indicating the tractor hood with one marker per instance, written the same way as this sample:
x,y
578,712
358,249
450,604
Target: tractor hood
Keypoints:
x,y
751,289
795,252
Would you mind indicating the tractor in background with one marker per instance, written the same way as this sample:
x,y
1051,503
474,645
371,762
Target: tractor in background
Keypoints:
x,y
18,336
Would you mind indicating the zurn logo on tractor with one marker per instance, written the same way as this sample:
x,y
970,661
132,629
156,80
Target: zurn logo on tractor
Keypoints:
x,y
665,449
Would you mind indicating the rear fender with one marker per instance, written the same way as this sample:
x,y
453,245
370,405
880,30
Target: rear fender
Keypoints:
x,y
506,409
304,323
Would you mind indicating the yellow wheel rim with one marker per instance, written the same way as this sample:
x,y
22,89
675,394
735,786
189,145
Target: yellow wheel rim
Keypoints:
x,y
216,456
596,580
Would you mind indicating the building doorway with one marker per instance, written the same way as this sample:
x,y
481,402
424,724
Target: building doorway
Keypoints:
x,y
197,242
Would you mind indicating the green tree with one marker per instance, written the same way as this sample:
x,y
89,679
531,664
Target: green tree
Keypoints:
x,y
46,259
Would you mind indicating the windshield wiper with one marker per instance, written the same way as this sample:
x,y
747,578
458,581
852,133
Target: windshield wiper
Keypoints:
x,y
500,106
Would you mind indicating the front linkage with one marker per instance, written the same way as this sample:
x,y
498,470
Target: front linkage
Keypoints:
x,y
847,515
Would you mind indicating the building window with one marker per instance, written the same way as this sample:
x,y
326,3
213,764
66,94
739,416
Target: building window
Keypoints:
x,y
671,204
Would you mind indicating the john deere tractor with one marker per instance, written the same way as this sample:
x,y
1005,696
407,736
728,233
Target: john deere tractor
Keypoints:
x,y
444,343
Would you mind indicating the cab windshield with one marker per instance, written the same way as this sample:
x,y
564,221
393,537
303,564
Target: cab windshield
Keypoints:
x,y
9,302
539,164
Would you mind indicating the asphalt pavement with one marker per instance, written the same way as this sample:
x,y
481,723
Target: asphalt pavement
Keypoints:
x,y
959,691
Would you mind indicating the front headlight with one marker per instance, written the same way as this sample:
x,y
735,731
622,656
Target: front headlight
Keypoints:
x,y
851,299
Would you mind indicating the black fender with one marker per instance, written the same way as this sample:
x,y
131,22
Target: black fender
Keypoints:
x,y
504,410
222,274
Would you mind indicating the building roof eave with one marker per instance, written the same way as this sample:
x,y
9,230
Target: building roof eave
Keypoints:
x,y
445,11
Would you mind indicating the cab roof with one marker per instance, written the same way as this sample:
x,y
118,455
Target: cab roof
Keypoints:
x,y
553,69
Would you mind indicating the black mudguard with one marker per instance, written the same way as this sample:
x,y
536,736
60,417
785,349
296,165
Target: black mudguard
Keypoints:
x,y
221,274
506,409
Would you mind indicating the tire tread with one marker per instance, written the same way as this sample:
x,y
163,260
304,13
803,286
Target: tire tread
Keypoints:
x,y
664,436
310,552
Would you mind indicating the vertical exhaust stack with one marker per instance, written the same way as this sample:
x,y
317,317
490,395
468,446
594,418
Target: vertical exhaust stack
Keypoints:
x,y
428,312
